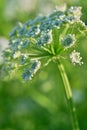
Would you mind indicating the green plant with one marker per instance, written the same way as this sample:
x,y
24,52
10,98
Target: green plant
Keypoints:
x,y
49,38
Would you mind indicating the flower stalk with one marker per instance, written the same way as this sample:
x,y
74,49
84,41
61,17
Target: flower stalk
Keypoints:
x,y
68,94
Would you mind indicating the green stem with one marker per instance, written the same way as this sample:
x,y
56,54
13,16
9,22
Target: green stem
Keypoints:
x,y
68,93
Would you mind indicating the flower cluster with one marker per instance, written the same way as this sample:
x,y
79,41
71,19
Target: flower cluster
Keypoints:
x,y
68,40
44,37
76,12
29,72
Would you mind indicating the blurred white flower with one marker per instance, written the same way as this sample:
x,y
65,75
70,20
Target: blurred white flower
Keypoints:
x,y
75,58
3,45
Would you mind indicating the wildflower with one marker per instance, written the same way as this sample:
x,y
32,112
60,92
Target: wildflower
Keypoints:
x,y
35,66
68,40
23,58
29,72
75,58
75,11
44,38
27,75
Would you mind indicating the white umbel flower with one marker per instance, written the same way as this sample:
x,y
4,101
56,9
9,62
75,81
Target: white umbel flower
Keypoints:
x,y
75,58
76,11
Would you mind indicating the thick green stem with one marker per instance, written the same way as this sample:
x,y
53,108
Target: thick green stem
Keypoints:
x,y
68,93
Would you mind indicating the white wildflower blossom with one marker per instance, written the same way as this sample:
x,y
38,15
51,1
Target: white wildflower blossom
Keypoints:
x,y
76,11
75,58
42,39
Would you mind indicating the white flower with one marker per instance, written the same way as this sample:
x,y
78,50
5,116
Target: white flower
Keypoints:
x,y
75,58
76,11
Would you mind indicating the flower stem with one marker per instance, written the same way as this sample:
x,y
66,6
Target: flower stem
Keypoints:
x,y
68,93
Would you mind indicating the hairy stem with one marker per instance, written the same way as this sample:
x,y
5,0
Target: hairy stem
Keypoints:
x,y
68,93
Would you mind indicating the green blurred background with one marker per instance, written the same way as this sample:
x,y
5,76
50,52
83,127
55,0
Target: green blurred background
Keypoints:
x,y
40,104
